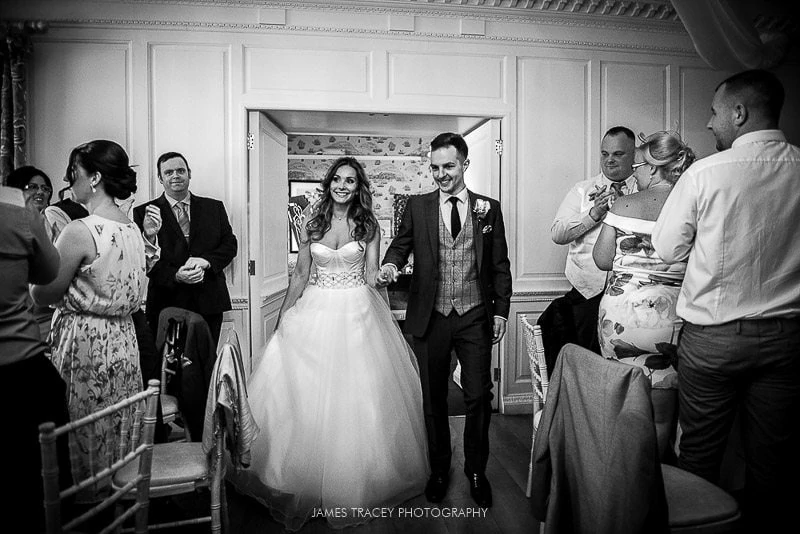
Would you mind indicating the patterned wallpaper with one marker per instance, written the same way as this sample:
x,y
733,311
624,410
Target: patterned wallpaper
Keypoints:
x,y
394,166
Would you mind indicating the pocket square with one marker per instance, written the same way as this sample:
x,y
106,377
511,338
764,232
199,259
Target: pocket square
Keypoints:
x,y
486,229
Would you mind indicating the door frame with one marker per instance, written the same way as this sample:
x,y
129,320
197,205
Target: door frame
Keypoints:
x,y
500,365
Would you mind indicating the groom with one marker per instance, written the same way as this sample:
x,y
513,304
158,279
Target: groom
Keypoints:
x,y
459,299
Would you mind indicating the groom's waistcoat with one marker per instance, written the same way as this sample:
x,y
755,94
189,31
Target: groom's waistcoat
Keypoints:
x,y
458,286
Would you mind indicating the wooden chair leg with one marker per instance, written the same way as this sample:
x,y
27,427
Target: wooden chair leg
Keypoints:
x,y
226,527
530,474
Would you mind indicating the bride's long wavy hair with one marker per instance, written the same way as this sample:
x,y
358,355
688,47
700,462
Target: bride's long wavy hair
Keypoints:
x,y
360,210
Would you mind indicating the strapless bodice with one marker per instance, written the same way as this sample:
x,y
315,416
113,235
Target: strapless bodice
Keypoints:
x,y
338,268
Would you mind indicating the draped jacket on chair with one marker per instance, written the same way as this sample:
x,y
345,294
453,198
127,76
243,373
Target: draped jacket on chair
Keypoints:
x,y
596,467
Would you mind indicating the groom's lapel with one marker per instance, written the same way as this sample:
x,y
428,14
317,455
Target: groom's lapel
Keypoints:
x,y
477,231
432,220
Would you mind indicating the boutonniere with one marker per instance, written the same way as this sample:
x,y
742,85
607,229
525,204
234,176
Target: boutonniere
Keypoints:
x,y
481,208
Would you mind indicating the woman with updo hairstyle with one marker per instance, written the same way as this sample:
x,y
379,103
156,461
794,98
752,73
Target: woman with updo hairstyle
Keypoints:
x,y
35,184
100,283
638,324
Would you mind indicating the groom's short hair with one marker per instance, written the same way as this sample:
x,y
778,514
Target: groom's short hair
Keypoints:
x,y
450,139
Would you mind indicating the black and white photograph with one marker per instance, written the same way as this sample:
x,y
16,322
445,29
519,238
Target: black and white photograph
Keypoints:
x,y
400,266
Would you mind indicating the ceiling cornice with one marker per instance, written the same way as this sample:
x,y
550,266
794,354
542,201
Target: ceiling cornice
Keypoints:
x,y
650,15
367,32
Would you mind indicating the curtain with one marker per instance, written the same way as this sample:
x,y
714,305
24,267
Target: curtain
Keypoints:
x,y
726,38
15,47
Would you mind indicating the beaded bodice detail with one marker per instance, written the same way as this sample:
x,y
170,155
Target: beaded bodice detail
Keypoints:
x,y
340,268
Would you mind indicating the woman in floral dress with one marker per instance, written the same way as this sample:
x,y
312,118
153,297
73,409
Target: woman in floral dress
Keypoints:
x,y
100,282
637,320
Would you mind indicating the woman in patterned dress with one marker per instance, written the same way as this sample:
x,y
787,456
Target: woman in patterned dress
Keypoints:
x,y
100,283
637,320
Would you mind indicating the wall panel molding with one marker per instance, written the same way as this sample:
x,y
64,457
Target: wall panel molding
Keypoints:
x,y
308,70
103,109
189,86
417,74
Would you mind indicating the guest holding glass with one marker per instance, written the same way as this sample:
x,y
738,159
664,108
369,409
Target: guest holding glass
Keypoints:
x,y
637,323
100,283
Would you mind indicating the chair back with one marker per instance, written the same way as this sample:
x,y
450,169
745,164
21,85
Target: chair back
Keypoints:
x,y
172,353
539,382
132,424
537,362
602,408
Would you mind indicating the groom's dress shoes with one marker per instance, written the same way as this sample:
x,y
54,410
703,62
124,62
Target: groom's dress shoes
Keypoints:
x,y
436,488
480,490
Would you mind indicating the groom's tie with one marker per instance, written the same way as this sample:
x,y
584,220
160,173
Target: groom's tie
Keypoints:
x,y
455,220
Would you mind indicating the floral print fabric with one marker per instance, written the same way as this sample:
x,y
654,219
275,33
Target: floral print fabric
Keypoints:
x,y
637,320
93,339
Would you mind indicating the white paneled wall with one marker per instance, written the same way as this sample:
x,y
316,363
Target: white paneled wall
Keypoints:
x,y
157,77
634,95
80,90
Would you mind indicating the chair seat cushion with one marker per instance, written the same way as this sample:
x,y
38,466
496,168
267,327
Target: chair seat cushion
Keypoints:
x,y
169,405
693,501
173,463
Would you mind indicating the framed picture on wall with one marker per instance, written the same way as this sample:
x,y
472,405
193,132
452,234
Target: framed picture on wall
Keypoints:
x,y
301,192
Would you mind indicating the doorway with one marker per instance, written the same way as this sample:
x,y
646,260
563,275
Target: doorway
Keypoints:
x,y
274,136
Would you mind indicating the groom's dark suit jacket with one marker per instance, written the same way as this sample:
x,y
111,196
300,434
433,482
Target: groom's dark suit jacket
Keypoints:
x,y
419,232
210,238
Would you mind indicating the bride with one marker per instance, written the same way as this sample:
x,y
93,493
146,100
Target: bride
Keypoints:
x,y
336,394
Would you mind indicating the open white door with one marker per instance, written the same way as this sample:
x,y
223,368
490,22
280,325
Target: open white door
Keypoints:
x,y
268,192
483,176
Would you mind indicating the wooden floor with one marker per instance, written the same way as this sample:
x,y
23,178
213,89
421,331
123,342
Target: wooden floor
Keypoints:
x,y
507,472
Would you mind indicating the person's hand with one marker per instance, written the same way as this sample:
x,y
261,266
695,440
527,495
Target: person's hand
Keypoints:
x,y
200,263
498,330
386,275
603,198
189,275
151,222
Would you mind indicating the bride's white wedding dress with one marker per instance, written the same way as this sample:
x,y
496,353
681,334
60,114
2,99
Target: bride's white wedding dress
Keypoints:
x,y
339,403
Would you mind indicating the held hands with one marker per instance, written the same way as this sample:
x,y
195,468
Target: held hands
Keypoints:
x,y
386,275
152,222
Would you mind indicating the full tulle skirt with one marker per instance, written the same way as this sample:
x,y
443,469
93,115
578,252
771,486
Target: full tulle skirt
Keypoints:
x,y
339,403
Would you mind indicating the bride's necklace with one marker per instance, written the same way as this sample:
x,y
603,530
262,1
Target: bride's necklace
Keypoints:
x,y
343,217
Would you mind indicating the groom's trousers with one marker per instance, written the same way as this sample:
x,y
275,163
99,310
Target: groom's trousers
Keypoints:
x,y
470,335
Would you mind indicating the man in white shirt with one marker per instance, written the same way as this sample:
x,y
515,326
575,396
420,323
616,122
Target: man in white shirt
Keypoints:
x,y
577,224
735,216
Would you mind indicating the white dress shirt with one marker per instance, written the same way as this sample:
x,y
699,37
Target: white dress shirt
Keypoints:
x,y
736,216
574,226
446,207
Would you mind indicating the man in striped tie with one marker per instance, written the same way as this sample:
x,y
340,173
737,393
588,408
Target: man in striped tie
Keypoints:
x,y
197,243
